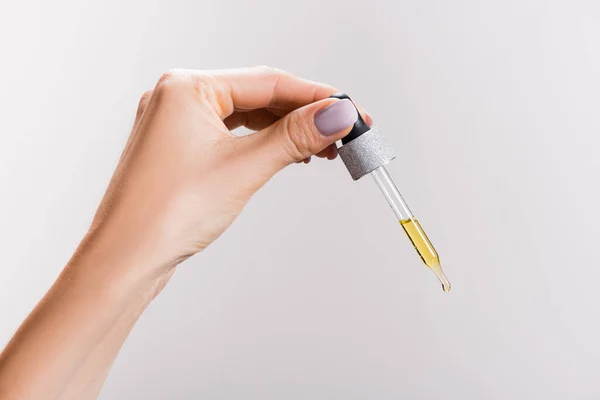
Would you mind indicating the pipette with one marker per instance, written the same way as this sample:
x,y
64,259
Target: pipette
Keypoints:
x,y
365,151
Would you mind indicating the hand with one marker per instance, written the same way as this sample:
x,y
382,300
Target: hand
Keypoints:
x,y
184,177
181,181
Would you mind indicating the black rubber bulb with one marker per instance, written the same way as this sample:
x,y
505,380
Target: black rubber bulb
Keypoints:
x,y
360,126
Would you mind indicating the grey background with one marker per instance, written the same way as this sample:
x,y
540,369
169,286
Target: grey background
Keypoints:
x,y
493,108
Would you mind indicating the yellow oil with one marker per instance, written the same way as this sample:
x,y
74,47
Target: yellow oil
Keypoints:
x,y
425,249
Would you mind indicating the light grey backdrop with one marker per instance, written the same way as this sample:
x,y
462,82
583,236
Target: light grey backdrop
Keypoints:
x,y
494,109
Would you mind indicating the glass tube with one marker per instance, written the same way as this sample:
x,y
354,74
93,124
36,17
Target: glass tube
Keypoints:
x,y
391,193
411,226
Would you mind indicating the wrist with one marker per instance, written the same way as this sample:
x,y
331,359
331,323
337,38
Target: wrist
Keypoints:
x,y
122,272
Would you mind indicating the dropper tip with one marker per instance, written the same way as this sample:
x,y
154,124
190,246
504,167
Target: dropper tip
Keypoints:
x,y
446,286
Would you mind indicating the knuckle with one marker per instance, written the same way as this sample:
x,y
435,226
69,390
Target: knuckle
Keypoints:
x,y
144,98
202,76
165,79
299,138
170,80
203,81
211,91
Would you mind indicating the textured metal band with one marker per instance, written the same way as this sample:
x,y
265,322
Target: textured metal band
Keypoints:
x,y
366,153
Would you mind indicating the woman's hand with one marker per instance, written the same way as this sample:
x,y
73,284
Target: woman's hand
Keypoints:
x,y
184,177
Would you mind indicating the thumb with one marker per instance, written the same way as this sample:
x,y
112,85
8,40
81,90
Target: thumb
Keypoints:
x,y
304,132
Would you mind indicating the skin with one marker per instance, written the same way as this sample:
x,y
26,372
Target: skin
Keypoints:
x,y
182,179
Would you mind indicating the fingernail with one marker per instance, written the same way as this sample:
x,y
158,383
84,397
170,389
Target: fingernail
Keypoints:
x,y
336,117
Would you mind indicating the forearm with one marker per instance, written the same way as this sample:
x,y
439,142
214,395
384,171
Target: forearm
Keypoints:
x,y
89,378
92,305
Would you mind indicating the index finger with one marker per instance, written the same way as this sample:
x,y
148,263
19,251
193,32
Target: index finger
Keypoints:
x,y
265,87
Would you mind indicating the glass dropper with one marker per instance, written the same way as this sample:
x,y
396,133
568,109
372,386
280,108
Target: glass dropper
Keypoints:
x,y
409,223
365,151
